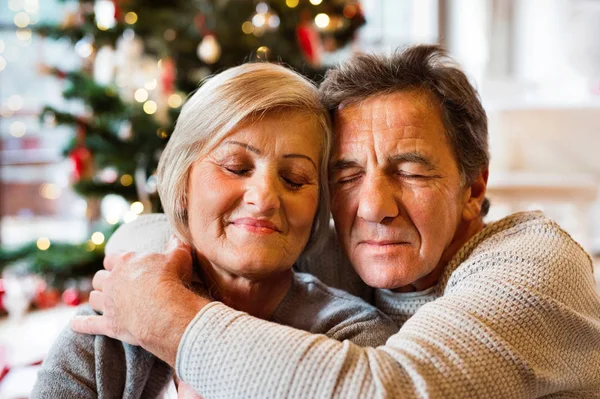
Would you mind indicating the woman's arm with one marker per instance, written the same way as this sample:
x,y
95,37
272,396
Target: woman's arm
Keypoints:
x,y
68,371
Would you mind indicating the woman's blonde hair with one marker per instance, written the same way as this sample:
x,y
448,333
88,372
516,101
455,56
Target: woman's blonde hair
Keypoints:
x,y
221,104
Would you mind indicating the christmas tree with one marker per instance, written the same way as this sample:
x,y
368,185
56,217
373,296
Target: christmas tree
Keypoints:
x,y
140,59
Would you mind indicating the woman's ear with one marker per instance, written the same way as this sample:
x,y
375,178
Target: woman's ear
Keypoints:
x,y
474,196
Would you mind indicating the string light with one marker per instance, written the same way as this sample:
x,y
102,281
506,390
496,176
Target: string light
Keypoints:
x,y
112,219
170,34
315,2
15,102
17,129
262,8
322,20
21,19
126,180
90,246
258,20
140,95
350,11
104,10
150,107
97,238
151,85
31,6
84,47
162,133
23,34
137,207
15,5
247,27
174,101
43,243
131,18
273,21
291,3
50,191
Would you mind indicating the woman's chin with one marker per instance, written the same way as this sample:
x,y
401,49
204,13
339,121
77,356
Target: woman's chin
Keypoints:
x,y
255,272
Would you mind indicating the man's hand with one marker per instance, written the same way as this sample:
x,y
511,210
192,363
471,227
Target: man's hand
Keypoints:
x,y
144,300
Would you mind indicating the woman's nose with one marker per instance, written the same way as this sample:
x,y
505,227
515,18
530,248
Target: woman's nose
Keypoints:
x,y
262,192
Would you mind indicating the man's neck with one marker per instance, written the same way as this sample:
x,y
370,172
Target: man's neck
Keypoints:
x,y
259,297
464,233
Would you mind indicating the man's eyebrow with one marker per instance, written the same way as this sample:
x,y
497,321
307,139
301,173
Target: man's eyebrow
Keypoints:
x,y
413,157
257,152
343,164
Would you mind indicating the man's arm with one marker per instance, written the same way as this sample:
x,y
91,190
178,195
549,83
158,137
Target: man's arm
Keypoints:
x,y
486,339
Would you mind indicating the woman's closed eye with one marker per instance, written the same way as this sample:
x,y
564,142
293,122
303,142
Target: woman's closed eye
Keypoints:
x,y
294,185
238,170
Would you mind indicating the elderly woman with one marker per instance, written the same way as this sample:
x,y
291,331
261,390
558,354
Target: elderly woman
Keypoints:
x,y
242,178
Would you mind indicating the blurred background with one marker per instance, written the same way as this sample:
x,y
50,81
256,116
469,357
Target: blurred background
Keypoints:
x,y
90,90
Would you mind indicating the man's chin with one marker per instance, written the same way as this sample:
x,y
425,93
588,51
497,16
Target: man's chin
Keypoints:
x,y
383,280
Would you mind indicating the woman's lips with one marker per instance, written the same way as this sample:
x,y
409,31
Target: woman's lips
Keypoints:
x,y
257,226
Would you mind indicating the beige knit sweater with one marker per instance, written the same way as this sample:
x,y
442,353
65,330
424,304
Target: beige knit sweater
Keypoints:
x,y
515,315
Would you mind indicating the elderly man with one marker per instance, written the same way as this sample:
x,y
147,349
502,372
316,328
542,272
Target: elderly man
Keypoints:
x,y
503,310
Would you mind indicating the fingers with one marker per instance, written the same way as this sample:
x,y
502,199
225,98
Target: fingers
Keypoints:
x,y
175,244
110,261
90,325
99,279
180,254
97,301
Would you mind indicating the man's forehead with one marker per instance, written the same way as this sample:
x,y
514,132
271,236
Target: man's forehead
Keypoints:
x,y
386,111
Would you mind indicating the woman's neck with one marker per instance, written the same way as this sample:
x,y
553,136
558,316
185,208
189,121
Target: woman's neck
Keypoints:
x,y
259,297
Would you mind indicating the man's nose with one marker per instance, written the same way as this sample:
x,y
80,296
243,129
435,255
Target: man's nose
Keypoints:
x,y
377,199
262,192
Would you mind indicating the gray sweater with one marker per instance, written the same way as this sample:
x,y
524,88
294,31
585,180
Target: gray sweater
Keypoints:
x,y
86,366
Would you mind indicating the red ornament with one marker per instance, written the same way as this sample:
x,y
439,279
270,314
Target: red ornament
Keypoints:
x,y
71,297
81,157
2,292
309,42
46,297
167,76
118,11
200,23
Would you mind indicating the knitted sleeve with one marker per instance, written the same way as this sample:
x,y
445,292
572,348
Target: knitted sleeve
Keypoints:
x,y
511,327
69,369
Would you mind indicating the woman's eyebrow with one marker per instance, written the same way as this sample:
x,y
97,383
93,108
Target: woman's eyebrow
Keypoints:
x,y
257,152
245,146
301,156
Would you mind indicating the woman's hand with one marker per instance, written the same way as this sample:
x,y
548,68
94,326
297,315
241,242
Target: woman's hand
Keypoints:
x,y
144,300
